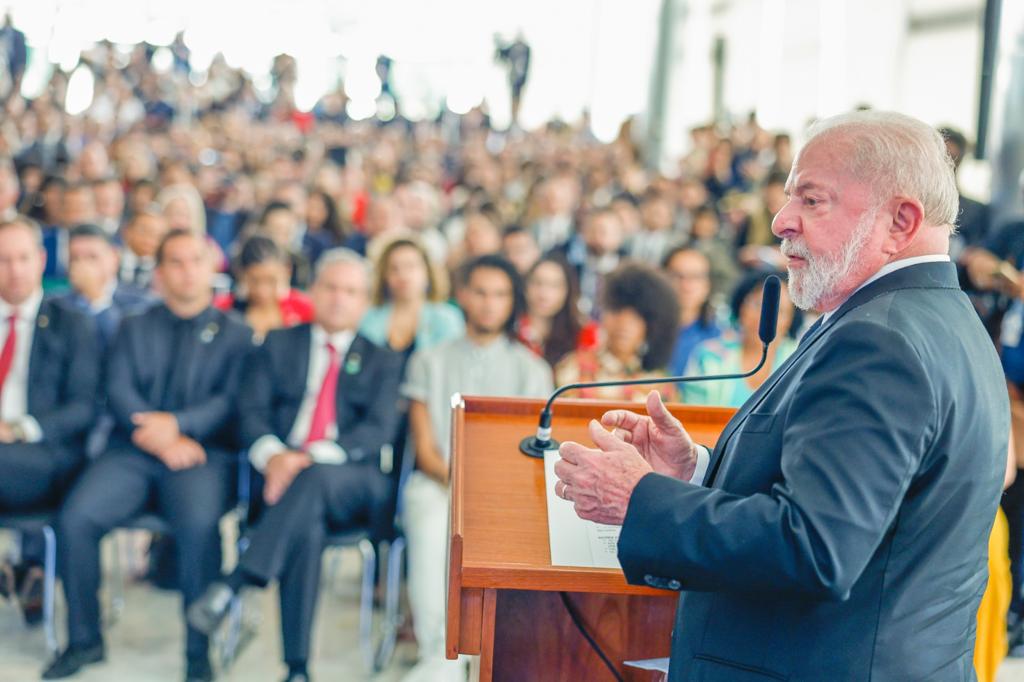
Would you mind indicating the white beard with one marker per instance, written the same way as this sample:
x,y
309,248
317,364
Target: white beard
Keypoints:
x,y
821,274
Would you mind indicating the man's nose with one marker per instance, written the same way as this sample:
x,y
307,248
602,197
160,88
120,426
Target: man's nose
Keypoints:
x,y
786,222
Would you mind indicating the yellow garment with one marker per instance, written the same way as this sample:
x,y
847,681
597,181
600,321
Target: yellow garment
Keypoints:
x,y
990,646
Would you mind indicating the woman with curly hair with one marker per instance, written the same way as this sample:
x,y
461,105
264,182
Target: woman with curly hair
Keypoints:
x,y
639,317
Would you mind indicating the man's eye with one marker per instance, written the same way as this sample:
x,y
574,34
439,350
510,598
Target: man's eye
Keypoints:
x,y
810,201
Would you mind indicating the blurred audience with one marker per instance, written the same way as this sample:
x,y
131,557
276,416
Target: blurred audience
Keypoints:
x,y
488,360
640,316
739,349
552,325
689,271
263,294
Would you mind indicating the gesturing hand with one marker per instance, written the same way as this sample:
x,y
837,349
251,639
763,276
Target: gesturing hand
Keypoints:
x,y
599,482
659,438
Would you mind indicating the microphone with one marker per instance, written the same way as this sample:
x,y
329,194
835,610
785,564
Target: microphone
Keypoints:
x,y
536,445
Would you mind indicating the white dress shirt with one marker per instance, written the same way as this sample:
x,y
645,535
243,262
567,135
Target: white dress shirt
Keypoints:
x,y
14,399
704,455
326,451
130,261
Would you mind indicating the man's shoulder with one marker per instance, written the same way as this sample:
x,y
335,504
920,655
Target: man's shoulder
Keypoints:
x,y
57,313
452,349
526,358
373,353
131,297
287,338
231,324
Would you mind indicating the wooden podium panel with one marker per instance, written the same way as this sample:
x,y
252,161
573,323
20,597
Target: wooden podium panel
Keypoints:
x,y
503,601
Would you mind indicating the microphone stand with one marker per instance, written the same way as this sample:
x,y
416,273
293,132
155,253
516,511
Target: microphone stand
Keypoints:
x,y
536,445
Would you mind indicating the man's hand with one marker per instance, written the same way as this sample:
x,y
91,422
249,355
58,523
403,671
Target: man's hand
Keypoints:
x,y
183,453
659,438
155,431
280,471
600,482
7,435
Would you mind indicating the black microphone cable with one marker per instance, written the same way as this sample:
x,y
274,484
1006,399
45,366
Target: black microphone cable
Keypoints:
x,y
578,622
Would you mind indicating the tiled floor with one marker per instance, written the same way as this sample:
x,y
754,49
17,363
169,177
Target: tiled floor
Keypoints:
x,y
144,645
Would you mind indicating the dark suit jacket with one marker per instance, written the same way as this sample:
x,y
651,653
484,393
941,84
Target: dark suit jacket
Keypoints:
x,y
137,368
843,530
63,376
275,384
127,299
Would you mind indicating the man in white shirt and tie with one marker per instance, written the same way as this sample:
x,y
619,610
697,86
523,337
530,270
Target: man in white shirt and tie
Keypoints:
x,y
49,372
318,403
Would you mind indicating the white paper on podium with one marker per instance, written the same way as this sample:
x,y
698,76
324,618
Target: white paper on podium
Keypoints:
x,y
575,542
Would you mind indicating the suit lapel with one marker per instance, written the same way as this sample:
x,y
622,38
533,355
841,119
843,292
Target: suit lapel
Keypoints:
x,y
44,319
926,275
300,352
350,374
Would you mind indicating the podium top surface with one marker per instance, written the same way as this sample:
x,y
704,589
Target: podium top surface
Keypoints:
x,y
499,509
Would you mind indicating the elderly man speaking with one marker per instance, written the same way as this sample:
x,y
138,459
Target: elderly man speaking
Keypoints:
x,y
839,529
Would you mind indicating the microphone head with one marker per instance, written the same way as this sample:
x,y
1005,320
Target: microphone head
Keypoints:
x,y
770,309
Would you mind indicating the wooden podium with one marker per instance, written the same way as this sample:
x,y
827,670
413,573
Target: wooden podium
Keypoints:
x,y
503,601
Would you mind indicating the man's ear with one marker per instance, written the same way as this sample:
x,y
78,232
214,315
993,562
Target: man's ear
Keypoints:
x,y
907,219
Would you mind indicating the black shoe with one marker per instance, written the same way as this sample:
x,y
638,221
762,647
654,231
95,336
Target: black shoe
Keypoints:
x,y
208,611
199,670
72,659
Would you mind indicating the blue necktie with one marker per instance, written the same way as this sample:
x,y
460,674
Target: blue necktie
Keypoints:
x,y
811,330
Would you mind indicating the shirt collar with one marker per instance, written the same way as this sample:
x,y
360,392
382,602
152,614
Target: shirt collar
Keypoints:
x,y
340,340
888,269
27,310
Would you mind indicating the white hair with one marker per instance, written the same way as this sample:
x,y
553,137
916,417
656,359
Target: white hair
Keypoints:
x,y
897,154
342,255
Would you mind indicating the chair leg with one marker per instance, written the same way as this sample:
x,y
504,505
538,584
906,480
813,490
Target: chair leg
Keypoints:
x,y
49,587
333,566
366,602
117,587
228,644
390,624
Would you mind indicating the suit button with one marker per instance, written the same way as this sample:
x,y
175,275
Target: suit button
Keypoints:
x,y
651,580
674,585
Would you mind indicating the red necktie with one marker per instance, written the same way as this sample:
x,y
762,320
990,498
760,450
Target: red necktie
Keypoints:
x,y
7,354
325,413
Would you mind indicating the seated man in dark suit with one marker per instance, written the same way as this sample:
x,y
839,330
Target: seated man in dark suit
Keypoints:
x,y
172,381
95,290
92,272
317,404
49,373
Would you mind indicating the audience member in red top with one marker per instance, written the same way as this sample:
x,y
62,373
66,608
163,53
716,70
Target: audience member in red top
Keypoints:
x,y
263,295
553,325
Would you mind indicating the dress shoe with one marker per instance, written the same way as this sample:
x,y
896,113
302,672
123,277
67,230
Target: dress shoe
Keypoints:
x,y
199,670
72,659
208,611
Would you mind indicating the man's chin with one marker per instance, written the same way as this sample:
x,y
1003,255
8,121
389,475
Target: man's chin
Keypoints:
x,y
800,298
